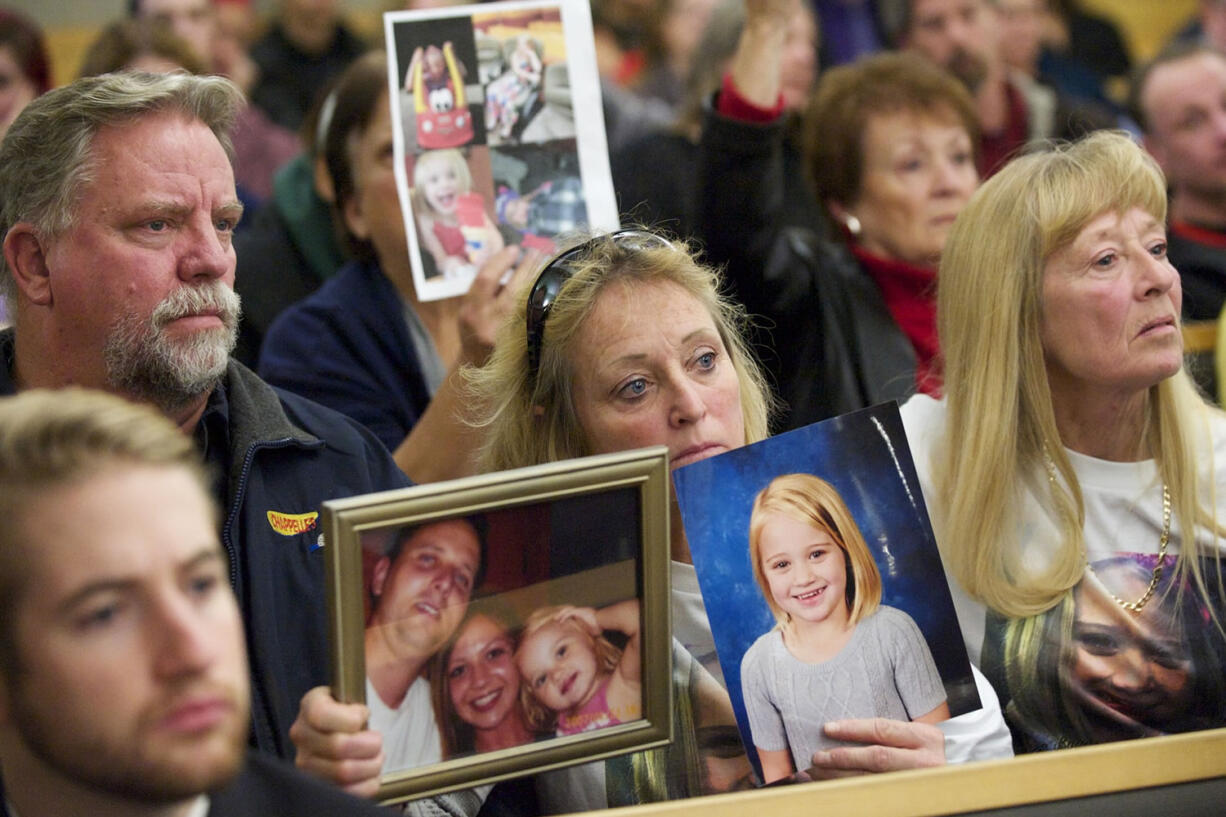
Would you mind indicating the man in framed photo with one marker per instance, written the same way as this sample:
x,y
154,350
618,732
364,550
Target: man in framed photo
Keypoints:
x,y
123,671
421,588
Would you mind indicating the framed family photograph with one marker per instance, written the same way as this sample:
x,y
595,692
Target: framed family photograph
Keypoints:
x,y
500,136
505,624
833,599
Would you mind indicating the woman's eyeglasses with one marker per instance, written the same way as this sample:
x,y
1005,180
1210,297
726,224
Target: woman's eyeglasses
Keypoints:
x,y
560,270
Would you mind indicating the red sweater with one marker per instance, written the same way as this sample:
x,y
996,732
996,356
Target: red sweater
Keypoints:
x,y
909,293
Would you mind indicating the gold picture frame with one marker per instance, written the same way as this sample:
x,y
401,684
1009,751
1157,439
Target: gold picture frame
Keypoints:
x,y
587,533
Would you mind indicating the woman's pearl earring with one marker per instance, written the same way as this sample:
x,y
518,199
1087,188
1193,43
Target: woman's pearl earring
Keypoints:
x,y
852,224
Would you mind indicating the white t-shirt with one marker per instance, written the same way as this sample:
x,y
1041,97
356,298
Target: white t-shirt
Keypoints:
x,y
410,733
1086,670
690,625
1123,505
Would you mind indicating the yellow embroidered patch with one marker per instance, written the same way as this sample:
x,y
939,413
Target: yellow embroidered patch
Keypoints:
x,y
291,524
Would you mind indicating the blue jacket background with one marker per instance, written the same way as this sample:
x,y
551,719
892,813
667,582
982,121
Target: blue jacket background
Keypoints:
x,y
347,347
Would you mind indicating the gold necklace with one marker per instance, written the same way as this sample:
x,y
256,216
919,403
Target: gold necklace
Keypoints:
x,y
1138,605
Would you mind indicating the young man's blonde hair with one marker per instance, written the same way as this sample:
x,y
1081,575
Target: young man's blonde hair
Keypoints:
x,y
815,502
1001,425
52,439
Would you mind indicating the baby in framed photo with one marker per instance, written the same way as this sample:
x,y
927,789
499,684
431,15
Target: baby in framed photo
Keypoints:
x,y
574,678
835,651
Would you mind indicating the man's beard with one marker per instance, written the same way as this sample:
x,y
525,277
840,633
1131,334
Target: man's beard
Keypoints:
x,y
146,364
134,768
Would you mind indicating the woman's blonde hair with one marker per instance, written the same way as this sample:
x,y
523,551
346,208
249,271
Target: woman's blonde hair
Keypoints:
x,y
537,715
529,417
989,314
814,501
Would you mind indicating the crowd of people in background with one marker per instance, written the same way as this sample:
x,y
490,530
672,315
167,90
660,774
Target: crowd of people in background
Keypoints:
x,y
986,210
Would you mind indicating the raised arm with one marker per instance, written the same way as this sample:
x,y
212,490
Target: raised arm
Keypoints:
x,y
744,208
758,60
442,445
623,617
740,172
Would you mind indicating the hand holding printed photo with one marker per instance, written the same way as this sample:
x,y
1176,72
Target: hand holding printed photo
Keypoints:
x,y
832,599
498,133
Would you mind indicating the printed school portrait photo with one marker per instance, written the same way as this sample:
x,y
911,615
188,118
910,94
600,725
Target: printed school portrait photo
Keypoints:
x,y
834,603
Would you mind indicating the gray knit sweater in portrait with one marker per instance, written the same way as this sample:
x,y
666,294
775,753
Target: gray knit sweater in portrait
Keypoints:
x,y
885,670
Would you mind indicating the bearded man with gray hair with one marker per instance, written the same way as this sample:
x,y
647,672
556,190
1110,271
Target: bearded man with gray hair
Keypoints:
x,y
117,210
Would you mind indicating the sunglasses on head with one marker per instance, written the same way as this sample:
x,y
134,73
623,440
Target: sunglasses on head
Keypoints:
x,y
560,270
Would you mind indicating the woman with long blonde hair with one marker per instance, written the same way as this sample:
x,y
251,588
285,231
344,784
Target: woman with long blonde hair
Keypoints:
x,y
1068,432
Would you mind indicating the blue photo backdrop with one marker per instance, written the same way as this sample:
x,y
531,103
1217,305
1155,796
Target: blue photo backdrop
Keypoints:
x,y
865,456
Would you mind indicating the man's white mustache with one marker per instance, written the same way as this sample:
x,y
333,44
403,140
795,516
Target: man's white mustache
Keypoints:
x,y
199,299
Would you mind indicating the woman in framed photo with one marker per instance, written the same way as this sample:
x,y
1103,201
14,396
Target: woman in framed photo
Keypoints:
x,y
476,686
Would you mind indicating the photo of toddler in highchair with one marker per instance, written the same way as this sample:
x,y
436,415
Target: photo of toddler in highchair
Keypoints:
x,y
435,79
574,679
835,652
439,88
507,97
452,224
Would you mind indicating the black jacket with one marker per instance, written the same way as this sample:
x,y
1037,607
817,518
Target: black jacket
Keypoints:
x,y
284,255
821,326
271,788
1202,270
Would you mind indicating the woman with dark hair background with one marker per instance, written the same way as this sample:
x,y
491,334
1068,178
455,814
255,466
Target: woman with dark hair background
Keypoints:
x,y
24,68
363,343
24,75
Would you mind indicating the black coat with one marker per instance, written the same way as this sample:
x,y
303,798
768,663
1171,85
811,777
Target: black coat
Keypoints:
x,y
822,329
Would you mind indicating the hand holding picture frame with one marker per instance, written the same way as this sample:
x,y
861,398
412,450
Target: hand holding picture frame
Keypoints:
x,y
505,624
